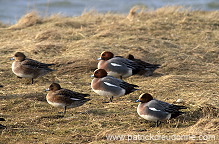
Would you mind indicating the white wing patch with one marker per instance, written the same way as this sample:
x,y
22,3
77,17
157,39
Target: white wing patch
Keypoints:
x,y
109,84
153,109
115,64
75,99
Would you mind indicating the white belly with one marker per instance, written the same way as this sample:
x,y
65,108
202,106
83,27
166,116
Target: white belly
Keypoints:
x,y
20,74
23,75
56,104
109,94
150,118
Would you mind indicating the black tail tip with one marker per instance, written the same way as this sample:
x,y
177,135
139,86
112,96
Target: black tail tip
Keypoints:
x,y
181,107
176,114
86,95
157,65
51,64
2,119
135,85
134,89
88,99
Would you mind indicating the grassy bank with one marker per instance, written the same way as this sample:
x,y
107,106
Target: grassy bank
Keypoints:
x,y
185,43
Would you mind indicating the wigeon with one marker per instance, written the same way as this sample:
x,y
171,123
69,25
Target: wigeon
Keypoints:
x,y
28,68
117,66
110,86
64,98
155,110
147,68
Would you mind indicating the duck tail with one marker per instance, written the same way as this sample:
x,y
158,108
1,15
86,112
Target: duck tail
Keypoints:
x,y
50,64
176,114
85,95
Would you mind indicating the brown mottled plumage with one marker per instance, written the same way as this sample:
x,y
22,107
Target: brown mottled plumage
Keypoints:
x,y
60,97
28,68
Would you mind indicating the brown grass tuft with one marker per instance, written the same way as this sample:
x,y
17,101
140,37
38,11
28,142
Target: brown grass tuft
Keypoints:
x,y
72,24
204,126
48,48
48,35
29,19
135,11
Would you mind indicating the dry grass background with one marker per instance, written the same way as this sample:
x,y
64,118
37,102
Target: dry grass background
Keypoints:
x,y
185,42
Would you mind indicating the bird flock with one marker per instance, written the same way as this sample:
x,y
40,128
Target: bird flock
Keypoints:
x,y
107,81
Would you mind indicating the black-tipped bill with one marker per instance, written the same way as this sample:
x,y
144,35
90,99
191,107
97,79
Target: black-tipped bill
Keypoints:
x,y
137,100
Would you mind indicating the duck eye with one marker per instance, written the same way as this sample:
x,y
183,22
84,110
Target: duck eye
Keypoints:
x,y
103,54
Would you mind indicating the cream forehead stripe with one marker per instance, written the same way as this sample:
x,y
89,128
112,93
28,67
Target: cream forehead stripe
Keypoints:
x,y
141,95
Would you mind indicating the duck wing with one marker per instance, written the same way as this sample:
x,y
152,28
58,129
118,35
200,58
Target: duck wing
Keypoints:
x,y
72,95
29,63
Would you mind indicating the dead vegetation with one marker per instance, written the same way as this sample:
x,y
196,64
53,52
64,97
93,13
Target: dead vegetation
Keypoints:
x,y
26,21
184,42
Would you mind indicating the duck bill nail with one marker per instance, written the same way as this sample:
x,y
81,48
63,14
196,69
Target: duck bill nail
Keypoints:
x,y
47,89
137,100
92,76
11,58
99,59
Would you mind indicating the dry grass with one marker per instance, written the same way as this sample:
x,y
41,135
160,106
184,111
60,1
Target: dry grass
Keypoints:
x,y
184,42
26,21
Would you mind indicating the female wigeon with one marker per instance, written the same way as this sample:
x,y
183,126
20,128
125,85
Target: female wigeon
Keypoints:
x,y
155,110
110,86
28,68
60,97
117,66
147,69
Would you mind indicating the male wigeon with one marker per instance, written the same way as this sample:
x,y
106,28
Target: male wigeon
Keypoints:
x,y
110,86
147,69
60,97
117,66
155,110
28,68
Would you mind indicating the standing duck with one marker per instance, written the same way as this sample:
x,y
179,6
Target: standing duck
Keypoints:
x,y
65,98
28,68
